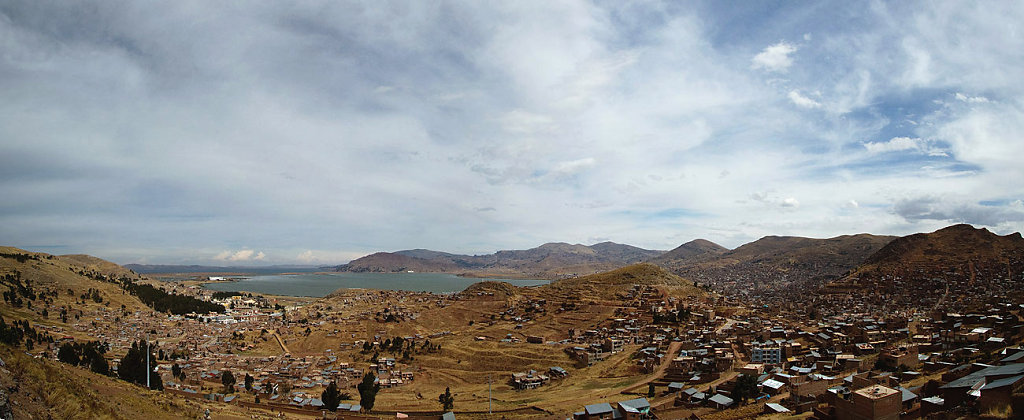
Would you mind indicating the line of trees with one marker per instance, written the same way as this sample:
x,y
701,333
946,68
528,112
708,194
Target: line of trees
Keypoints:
x,y
20,331
89,354
172,303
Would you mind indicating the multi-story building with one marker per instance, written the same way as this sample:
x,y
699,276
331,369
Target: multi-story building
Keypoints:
x,y
766,355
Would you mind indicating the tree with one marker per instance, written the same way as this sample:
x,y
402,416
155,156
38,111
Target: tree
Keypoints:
x,y
228,379
746,387
331,397
650,390
447,400
67,354
248,382
368,390
176,370
133,367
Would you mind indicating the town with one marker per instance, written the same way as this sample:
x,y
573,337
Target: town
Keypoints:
x,y
661,349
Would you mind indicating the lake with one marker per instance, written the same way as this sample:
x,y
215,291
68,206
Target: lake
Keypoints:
x,y
321,284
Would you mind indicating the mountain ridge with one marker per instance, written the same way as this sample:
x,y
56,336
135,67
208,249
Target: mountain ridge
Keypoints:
x,y
549,260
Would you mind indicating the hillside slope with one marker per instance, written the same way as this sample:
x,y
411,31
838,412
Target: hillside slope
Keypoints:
x,y
776,265
611,283
688,253
41,389
957,267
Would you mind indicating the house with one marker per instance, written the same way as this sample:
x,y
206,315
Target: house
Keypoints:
x,y
558,372
997,393
956,392
873,402
635,409
720,401
773,408
598,411
772,387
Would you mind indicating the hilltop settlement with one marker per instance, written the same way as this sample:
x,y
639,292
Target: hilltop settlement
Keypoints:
x,y
926,326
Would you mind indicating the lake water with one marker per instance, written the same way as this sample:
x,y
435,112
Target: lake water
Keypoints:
x,y
321,284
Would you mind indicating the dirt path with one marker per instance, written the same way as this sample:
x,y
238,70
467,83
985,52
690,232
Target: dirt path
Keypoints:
x,y
673,349
284,348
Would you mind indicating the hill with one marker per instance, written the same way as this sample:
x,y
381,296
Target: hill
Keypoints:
x,y
550,260
613,282
40,388
688,252
773,265
957,267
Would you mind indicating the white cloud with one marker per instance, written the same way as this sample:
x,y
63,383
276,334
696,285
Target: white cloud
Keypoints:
x,y
311,256
802,101
240,256
574,166
971,99
894,144
775,57
491,125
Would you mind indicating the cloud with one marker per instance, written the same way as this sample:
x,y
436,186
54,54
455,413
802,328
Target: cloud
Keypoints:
x,y
240,256
165,134
775,57
971,99
310,256
802,101
789,202
956,211
894,144
769,199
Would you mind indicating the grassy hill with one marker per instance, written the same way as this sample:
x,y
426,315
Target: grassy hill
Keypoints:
x,y
41,389
608,284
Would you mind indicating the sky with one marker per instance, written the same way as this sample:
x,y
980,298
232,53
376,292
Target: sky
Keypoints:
x,y
267,132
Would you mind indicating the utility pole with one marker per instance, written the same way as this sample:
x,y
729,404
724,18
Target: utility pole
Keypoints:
x,y
489,395
147,361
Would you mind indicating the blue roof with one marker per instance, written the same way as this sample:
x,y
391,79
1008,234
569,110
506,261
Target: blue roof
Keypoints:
x,y
448,416
599,408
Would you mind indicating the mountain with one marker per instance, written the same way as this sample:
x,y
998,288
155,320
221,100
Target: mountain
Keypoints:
x,y
772,264
952,245
688,252
959,266
550,260
388,262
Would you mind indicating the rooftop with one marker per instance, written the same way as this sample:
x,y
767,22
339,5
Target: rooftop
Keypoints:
x,y
876,391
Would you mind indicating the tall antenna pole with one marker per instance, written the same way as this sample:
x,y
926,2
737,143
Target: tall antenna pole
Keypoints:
x,y
488,394
147,362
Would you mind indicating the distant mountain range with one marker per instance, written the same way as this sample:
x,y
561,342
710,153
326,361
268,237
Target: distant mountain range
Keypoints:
x,y
699,259
194,269
550,260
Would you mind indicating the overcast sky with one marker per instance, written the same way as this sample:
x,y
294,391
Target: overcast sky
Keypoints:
x,y
315,132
